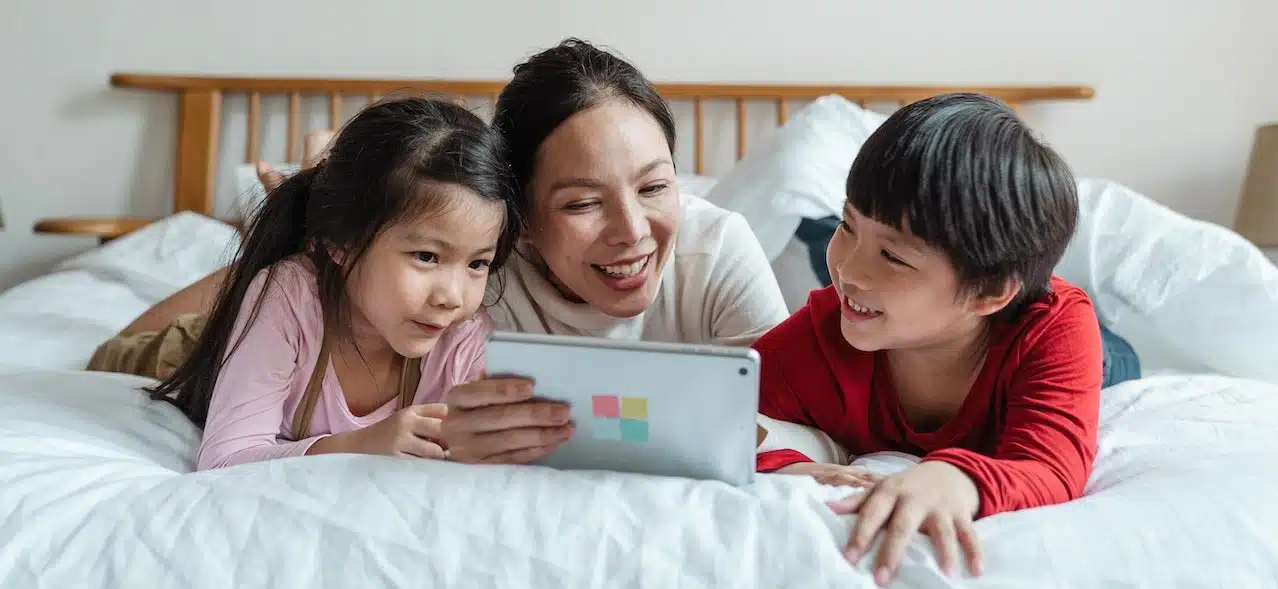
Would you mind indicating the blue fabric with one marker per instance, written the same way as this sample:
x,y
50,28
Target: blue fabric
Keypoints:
x,y
816,234
1120,361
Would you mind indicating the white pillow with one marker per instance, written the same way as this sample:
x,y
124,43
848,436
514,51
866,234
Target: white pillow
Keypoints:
x,y
249,191
799,171
1188,295
163,257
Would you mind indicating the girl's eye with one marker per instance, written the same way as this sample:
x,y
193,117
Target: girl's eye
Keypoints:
x,y
426,257
479,264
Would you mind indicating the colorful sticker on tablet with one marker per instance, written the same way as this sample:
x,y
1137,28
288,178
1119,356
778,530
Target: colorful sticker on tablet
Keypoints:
x,y
619,418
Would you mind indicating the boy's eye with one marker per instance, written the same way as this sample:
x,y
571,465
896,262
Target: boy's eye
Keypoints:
x,y
891,258
426,257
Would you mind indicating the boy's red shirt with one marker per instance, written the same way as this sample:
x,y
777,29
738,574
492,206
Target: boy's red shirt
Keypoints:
x,y
1025,434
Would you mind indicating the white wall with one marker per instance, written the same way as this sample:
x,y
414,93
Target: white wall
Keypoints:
x,y
1180,84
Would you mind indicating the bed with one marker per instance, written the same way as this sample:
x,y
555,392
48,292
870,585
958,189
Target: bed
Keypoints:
x,y
96,485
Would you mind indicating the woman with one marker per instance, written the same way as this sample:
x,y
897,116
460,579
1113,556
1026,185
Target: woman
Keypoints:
x,y
610,249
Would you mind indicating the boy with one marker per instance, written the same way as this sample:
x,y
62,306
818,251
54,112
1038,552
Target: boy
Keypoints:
x,y
944,333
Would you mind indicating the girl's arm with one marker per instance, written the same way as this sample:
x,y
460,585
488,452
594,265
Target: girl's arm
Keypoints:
x,y
247,414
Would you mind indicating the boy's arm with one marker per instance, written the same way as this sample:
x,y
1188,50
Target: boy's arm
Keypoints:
x,y
1044,455
790,346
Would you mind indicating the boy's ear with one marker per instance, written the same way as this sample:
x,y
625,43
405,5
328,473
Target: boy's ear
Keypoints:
x,y
991,303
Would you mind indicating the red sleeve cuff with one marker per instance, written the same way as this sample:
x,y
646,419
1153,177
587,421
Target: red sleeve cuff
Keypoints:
x,y
775,459
971,464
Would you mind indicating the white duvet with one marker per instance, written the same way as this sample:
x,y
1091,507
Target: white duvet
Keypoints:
x,y
96,492
95,488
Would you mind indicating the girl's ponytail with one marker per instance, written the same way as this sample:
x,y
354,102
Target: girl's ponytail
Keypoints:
x,y
276,231
384,167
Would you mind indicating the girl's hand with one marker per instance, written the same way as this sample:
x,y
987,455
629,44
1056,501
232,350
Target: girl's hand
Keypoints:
x,y
497,421
933,497
837,475
411,431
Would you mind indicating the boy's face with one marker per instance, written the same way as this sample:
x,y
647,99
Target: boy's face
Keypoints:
x,y
896,291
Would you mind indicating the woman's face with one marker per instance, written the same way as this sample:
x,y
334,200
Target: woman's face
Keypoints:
x,y
605,207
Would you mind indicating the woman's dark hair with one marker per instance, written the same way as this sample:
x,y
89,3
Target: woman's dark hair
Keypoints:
x,y
382,169
558,83
969,178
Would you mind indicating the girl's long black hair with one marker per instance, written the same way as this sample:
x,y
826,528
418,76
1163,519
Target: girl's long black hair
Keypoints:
x,y
379,171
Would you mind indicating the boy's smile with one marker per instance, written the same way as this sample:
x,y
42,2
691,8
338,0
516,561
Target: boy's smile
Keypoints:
x,y
895,292
855,312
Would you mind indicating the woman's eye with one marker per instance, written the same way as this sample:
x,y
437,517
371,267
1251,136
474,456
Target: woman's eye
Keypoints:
x,y
579,205
652,189
479,264
426,257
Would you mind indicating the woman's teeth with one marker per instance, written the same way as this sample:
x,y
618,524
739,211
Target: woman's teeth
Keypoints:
x,y
624,270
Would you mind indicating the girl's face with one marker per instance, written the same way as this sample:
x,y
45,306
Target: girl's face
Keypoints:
x,y
897,292
422,276
605,207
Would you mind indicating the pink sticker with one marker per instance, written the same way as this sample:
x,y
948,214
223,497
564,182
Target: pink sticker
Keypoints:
x,y
606,406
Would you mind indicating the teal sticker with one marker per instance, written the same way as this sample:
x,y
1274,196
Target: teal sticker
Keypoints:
x,y
606,428
634,430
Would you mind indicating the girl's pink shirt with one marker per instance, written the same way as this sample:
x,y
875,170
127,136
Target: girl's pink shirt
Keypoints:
x,y
264,377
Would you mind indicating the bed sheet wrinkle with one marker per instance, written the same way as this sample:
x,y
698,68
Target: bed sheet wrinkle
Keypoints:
x,y
1181,495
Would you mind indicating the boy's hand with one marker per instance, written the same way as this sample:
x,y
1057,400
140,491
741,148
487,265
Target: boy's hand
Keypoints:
x,y
933,497
833,474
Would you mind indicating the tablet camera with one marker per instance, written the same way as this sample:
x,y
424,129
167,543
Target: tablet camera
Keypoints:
x,y
743,371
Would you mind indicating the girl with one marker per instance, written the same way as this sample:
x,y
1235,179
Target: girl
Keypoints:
x,y
352,306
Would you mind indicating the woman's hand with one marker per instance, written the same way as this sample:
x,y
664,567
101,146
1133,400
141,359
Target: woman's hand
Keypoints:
x,y
411,431
933,497
833,474
497,421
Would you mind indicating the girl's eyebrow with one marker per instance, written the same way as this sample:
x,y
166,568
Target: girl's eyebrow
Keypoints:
x,y
419,239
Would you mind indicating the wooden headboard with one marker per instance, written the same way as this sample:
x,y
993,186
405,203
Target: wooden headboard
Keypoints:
x,y
201,100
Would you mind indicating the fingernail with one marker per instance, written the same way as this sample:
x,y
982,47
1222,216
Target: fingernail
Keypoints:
x,y
854,554
882,576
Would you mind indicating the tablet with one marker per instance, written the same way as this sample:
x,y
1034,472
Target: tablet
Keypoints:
x,y
681,410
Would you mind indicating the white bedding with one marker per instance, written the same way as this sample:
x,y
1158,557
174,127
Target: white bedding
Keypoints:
x,y
95,492
95,488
